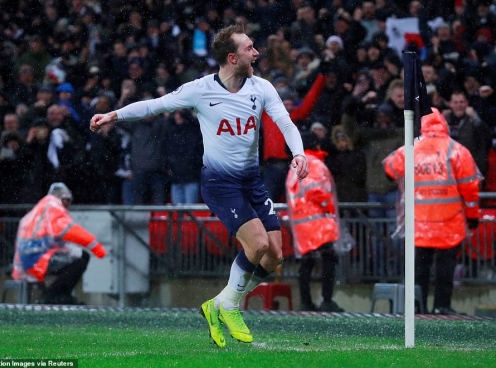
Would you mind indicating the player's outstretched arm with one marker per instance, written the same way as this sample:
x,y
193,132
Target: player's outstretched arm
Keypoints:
x,y
301,165
98,120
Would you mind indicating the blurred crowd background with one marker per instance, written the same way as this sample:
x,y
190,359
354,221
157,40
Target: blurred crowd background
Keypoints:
x,y
63,61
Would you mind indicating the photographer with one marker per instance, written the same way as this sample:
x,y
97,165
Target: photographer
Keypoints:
x,y
41,248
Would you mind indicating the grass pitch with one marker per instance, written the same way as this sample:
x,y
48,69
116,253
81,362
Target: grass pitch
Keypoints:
x,y
105,337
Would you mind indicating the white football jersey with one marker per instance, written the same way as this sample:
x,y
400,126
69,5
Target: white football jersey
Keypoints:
x,y
229,122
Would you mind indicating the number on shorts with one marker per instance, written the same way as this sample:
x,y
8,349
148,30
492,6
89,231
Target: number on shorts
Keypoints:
x,y
271,211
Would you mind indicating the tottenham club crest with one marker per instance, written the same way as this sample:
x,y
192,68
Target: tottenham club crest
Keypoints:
x,y
253,99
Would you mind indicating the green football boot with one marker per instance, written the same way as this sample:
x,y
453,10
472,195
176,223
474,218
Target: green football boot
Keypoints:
x,y
211,314
235,323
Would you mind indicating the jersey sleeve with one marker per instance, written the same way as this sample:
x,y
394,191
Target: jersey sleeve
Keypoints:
x,y
186,96
291,135
275,109
272,102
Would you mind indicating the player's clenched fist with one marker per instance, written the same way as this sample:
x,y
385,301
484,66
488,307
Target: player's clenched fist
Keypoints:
x,y
98,120
301,165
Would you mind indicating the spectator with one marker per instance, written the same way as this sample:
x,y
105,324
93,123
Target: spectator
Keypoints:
x,y
5,106
184,153
348,167
378,142
314,219
137,73
10,125
446,199
70,63
321,132
303,28
150,182
480,94
278,53
38,173
366,15
394,65
362,101
381,39
483,19
202,38
66,149
437,100
381,78
304,74
128,93
213,17
152,39
66,93
118,61
11,167
25,89
104,152
36,56
93,83
431,77
328,107
360,61
351,32
165,80
41,248
443,47
44,98
333,54
466,127
374,54
395,102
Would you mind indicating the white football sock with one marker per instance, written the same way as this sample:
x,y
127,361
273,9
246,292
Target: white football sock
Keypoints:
x,y
231,295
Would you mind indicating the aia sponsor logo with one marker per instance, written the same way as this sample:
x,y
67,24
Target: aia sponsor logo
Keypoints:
x,y
238,127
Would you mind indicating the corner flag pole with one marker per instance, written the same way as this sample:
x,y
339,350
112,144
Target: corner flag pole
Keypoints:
x,y
416,106
409,233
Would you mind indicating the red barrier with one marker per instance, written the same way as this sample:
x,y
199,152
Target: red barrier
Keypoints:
x,y
480,243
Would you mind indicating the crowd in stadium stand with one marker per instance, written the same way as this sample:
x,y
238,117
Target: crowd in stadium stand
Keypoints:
x,y
62,61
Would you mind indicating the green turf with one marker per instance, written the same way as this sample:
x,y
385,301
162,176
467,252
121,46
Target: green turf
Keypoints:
x,y
180,339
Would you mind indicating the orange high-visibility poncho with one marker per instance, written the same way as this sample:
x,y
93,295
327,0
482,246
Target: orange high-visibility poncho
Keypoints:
x,y
446,185
44,231
312,205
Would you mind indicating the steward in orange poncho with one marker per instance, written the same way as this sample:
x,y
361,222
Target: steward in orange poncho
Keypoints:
x,y
314,218
446,199
41,247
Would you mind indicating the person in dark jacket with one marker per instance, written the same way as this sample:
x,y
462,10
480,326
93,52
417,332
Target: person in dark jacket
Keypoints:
x,y
348,166
184,151
38,173
467,128
150,183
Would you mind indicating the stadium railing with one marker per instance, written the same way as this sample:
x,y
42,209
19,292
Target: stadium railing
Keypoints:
x,y
189,241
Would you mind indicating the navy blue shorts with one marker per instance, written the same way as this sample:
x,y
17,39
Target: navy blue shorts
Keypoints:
x,y
236,202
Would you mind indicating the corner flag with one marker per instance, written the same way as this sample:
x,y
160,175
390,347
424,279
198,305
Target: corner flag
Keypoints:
x,y
416,98
416,105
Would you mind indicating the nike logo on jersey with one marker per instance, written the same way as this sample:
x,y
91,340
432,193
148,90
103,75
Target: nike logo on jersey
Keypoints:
x,y
213,104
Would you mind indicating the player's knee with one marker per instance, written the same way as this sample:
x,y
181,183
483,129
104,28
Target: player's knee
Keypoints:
x,y
261,249
262,245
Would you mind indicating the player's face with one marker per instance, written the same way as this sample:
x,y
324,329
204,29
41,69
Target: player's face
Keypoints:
x,y
245,55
